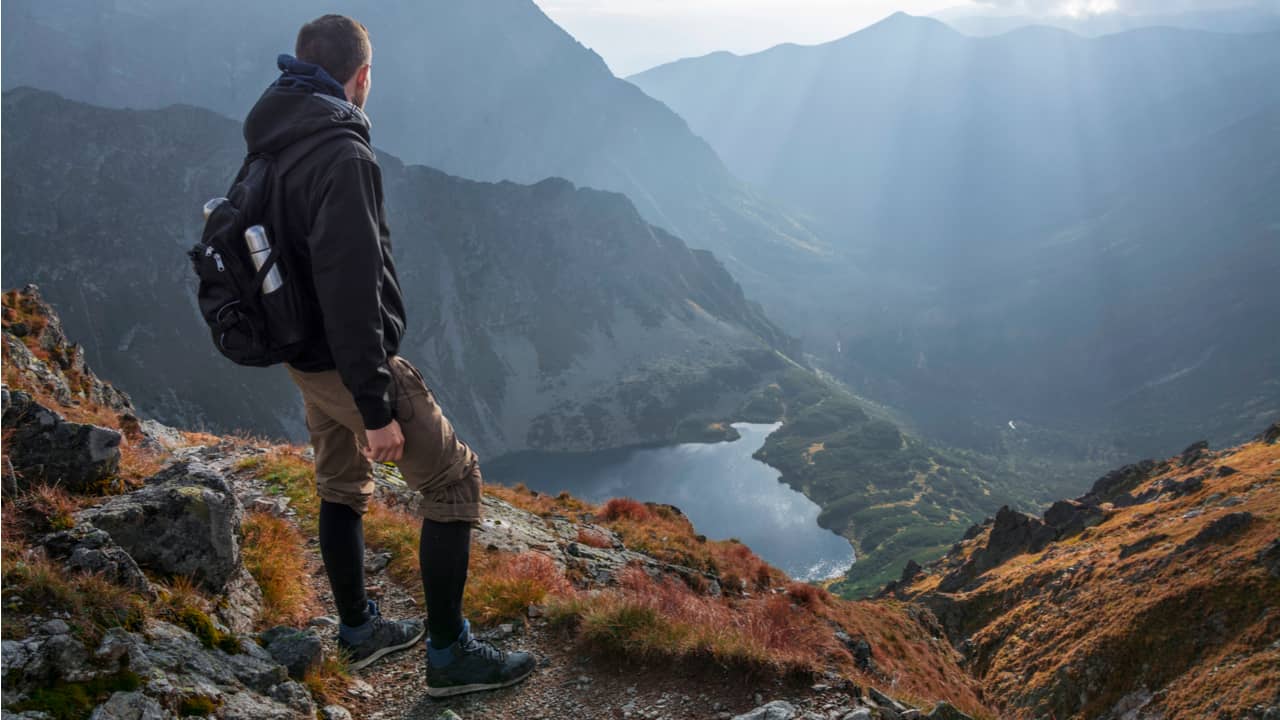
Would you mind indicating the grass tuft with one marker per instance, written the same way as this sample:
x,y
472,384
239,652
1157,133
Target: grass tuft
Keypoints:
x,y
274,552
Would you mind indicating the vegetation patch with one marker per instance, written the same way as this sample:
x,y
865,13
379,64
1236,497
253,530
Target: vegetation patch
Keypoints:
x,y
75,701
288,473
502,586
274,552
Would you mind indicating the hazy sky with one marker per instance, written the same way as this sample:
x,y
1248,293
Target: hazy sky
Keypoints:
x,y
634,35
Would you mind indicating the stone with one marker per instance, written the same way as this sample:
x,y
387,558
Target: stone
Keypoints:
x,y
299,651
90,549
1194,453
1270,436
1070,517
776,710
1117,483
334,712
1269,557
294,696
130,706
859,714
185,521
377,562
859,648
946,711
1220,529
45,448
325,621
1142,545
1226,471
248,706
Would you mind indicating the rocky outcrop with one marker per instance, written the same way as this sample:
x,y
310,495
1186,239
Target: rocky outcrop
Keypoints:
x,y
37,350
160,669
45,448
88,549
185,521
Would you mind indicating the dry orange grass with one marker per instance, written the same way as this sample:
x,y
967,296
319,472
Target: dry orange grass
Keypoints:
x,y
502,586
275,554
663,619
539,503
1160,617
594,538
397,532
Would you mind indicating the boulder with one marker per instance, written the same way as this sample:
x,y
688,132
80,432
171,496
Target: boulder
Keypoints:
x,y
1270,436
1070,517
1269,557
46,448
298,650
89,549
946,711
776,710
1194,453
1117,483
130,706
1220,529
185,521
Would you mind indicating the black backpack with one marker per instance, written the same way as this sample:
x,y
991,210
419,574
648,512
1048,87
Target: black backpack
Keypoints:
x,y
248,326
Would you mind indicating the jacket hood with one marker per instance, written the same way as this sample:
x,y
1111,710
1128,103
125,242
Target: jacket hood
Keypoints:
x,y
300,103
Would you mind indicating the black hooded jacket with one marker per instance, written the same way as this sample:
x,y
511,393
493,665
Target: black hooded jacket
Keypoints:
x,y
336,224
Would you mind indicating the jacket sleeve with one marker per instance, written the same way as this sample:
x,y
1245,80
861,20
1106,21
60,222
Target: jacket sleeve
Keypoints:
x,y
347,267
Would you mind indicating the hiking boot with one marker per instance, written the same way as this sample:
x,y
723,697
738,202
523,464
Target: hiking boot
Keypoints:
x,y
470,665
378,638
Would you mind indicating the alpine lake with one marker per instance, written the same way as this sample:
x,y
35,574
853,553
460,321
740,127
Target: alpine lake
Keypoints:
x,y
723,490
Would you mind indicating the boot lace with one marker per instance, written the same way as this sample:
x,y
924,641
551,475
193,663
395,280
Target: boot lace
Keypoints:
x,y
475,646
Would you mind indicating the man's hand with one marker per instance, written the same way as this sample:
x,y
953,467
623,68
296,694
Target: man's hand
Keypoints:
x,y
386,444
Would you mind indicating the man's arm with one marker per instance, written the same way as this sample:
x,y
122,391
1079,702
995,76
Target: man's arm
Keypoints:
x,y
347,267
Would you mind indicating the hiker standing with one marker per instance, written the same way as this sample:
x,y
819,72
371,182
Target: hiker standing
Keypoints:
x,y
364,402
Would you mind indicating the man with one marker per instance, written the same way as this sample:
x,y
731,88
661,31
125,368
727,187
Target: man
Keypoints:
x,y
364,403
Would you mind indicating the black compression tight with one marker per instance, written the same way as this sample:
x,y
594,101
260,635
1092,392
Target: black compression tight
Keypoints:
x,y
342,548
443,553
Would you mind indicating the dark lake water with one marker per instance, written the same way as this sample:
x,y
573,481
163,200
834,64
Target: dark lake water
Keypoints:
x,y
719,486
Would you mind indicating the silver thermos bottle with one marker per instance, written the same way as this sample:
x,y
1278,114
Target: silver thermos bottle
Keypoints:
x,y
259,249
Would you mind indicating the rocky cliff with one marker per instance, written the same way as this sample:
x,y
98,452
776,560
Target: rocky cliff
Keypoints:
x,y
1153,595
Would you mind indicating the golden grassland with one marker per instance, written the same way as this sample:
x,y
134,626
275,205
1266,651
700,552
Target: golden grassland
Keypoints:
x,y
1200,620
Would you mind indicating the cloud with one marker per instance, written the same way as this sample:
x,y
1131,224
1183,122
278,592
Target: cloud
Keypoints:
x,y
1078,8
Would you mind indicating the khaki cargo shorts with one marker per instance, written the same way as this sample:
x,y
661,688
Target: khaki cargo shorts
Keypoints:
x,y
435,462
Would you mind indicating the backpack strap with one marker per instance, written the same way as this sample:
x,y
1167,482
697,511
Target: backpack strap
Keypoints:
x,y
283,162
292,154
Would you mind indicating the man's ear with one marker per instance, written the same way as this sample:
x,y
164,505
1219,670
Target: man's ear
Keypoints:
x,y
362,75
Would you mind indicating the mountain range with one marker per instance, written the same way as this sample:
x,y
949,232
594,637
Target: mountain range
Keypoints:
x,y
545,315
1073,234
485,89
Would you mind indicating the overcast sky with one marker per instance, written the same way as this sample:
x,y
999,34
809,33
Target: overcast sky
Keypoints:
x,y
634,35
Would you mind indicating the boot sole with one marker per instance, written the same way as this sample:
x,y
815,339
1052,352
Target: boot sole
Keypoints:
x,y
453,690
383,652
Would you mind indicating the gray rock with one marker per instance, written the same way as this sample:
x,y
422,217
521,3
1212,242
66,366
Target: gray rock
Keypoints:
x,y
1269,557
248,706
243,602
334,712
46,448
294,696
1220,529
946,711
90,549
776,710
377,562
299,651
859,648
186,521
130,706
859,714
